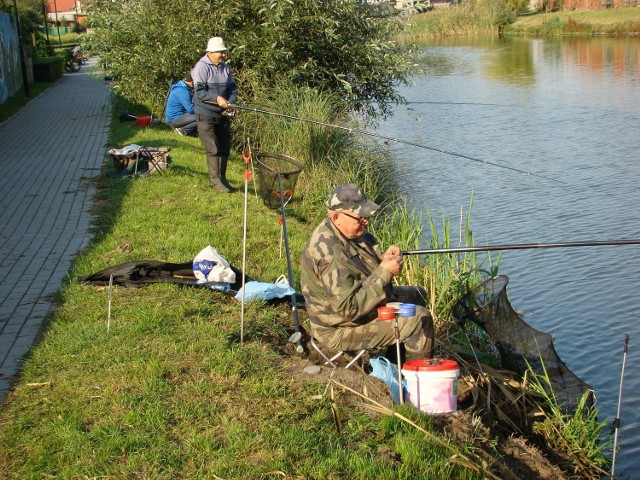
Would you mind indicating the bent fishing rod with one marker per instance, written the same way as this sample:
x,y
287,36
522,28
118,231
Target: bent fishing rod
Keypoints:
x,y
396,140
520,246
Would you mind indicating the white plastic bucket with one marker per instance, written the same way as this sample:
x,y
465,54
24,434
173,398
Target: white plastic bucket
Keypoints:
x,y
432,385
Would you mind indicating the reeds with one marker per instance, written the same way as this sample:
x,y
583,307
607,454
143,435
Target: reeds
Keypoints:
x,y
331,155
577,440
446,277
475,17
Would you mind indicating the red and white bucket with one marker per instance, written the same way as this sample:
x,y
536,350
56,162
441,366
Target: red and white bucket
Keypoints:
x,y
432,385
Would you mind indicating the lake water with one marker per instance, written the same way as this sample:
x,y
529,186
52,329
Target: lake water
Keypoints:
x,y
569,111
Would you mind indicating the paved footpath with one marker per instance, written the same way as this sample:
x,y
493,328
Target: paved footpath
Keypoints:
x,y
49,152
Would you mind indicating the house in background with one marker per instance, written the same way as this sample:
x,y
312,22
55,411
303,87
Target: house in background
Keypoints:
x,y
570,5
67,13
597,4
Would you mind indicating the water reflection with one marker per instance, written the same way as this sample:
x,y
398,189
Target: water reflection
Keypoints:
x,y
620,56
512,64
516,60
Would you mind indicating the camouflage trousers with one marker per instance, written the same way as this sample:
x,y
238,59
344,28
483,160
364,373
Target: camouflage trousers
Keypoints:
x,y
415,332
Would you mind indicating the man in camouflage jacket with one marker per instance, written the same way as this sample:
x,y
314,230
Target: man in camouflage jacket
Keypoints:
x,y
345,277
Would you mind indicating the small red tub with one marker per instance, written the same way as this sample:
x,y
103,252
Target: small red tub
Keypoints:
x,y
386,313
144,121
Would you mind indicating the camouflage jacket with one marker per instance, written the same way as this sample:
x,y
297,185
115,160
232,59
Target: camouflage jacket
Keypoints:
x,y
341,279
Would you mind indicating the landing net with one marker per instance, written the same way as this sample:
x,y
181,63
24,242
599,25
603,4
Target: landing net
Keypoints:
x,y
270,166
518,343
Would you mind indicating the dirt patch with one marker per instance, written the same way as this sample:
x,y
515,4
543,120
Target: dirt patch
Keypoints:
x,y
511,457
355,377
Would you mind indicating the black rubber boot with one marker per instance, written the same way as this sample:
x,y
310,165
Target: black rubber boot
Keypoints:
x,y
223,174
213,164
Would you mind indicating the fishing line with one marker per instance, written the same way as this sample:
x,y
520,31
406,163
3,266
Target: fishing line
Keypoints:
x,y
397,140
520,246
457,103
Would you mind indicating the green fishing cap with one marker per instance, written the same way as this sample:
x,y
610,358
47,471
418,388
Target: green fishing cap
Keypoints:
x,y
348,196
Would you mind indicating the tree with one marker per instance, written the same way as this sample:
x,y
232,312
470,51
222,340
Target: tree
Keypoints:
x,y
31,15
345,46
518,6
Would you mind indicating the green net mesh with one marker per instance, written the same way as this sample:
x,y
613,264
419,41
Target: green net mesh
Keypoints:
x,y
270,167
519,344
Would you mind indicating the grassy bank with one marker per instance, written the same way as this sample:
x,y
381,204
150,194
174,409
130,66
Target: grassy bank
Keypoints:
x,y
482,17
488,18
618,21
166,390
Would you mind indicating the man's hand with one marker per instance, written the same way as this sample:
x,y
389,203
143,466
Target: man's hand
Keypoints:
x,y
222,102
392,260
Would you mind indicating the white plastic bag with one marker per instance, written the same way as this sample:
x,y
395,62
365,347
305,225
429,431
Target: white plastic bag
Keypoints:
x,y
210,266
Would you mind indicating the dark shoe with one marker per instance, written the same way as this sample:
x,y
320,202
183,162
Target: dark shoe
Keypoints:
x,y
223,174
229,187
221,187
213,165
179,132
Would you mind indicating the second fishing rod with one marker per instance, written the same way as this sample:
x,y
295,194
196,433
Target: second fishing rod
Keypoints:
x,y
522,246
395,140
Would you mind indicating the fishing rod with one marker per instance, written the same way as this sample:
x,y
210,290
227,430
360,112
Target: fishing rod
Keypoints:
x,y
396,140
616,421
520,246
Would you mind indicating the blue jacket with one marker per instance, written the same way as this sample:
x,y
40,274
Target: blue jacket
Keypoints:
x,y
210,81
180,101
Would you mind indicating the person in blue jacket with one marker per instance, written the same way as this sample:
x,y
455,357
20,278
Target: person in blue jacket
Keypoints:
x,y
214,97
180,111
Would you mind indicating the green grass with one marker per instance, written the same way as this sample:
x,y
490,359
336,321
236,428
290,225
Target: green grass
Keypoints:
x,y
482,17
580,439
486,19
617,21
168,391
19,99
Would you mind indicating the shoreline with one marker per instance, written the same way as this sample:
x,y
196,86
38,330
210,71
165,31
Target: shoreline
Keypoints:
x,y
459,22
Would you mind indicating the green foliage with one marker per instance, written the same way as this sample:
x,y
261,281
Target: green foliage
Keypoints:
x,y
517,6
554,26
48,69
31,16
471,17
331,155
576,439
343,46
446,277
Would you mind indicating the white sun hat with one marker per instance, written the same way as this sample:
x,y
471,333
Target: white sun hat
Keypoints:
x,y
216,44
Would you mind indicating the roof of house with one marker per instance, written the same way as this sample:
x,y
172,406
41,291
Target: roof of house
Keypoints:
x,y
61,5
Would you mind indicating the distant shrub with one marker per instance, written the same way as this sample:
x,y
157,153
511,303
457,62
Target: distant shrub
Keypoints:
x,y
47,69
554,26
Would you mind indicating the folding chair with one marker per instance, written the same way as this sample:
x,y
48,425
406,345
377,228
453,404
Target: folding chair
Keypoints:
x,y
136,159
155,156
331,360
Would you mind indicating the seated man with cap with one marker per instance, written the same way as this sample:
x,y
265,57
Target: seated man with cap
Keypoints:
x,y
180,111
345,277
